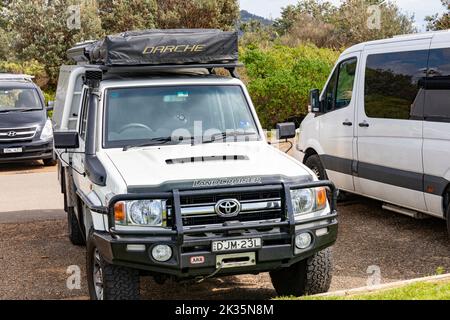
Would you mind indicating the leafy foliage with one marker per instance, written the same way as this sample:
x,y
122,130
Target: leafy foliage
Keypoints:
x,y
121,15
41,31
221,14
436,22
31,67
280,78
354,21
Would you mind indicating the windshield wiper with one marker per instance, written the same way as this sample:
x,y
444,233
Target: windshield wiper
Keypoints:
x,y
156,141
223,135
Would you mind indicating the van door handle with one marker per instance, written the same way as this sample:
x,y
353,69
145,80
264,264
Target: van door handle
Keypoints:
x,y
364,124
347,123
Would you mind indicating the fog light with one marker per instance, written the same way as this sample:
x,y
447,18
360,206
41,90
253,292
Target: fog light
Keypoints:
x,y
162,253
303,241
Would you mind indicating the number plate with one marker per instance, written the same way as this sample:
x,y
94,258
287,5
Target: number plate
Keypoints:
x,y
12,150
235,245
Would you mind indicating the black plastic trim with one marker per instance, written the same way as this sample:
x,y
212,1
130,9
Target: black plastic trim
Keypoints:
x,y
396,177
93,167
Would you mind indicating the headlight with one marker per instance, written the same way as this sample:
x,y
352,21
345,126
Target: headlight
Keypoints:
x,y
149,213
306,201
47,131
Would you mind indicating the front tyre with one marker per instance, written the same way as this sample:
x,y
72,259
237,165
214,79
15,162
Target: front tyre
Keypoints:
x,y
307,277
107,281
316,166
76,236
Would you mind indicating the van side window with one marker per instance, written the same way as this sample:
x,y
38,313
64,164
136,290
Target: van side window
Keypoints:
x,y
437,85
339,91
84,115
392,85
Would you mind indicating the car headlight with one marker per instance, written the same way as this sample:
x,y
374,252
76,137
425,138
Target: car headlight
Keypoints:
x,y
47,131
147,213
306,201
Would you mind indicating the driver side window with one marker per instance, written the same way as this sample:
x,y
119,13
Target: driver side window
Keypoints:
x,y
329,94
339,91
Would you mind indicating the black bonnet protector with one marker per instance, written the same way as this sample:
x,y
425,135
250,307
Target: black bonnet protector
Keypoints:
x,y
160,47
220,183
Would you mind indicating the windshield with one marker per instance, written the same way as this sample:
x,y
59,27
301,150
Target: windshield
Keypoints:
x,y
168,115
19,99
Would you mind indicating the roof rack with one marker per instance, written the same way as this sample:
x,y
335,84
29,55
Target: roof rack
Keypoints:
x,y
100,72
16,77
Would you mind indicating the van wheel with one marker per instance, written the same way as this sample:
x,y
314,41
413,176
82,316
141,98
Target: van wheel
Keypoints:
x,y
307,277
314,163
75,234
107,281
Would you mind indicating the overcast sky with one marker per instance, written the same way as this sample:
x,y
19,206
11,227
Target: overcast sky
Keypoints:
x,y
420,8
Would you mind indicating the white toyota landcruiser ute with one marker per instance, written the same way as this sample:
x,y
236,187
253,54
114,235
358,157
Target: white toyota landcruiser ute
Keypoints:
x,y
166,170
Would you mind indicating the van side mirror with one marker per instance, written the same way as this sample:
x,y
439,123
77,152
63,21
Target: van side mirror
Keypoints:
x,y
66,140
314,101
286,130
50,105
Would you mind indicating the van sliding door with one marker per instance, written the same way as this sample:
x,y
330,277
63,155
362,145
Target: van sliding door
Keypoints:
x,y
389,163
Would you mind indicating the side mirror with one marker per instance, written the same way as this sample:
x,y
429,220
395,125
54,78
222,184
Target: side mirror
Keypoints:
x,y
51,105
286,130
66,140
314,101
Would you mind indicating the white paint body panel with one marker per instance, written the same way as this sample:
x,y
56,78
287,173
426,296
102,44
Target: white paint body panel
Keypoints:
x,y
148,167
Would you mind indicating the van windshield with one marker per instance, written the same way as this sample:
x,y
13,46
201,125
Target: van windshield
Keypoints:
x,y
19,99
171,115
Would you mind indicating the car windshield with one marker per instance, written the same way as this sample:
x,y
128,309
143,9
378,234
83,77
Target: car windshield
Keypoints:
x,y
184,114
19,99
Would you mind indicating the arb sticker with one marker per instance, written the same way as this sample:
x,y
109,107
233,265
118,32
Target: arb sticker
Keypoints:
x,y
198,260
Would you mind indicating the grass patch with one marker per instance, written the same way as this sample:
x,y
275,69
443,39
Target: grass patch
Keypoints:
x,y
417,291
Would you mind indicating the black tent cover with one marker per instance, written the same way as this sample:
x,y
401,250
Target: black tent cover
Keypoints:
x,y
160,47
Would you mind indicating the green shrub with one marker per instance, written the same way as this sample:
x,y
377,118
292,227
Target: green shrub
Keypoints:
x,y
279,78
32,68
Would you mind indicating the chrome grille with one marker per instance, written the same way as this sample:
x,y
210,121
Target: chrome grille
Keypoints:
x,y
17,134
255,206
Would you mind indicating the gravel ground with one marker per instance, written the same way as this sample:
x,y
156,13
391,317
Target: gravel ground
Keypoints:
x,y
34,258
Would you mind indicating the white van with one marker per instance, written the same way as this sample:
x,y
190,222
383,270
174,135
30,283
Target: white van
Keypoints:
x,y
381,127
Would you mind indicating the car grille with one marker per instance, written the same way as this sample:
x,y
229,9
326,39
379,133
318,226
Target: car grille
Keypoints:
x,y
17,134
255,206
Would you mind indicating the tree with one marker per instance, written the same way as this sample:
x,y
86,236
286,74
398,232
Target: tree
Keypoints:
x,y
42,30
352,22
437,22
359,21
220,14
126,15
292,14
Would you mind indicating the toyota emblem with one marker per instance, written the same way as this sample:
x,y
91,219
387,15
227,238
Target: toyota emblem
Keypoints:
x,y
228,208
12,134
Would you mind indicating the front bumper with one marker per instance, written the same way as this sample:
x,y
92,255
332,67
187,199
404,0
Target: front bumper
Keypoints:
x,y
190,246
35,150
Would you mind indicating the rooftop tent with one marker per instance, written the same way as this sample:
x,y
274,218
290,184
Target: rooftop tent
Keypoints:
x,y
160,47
